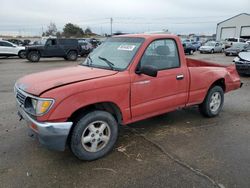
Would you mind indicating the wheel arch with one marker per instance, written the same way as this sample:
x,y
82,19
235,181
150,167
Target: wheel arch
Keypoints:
x,y
219,82
105,106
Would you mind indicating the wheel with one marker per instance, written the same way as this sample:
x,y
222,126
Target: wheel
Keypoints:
x,y
201,52
213,102
65,58
226,54
22,54
94,135
72,56
191,52
34,56
212,51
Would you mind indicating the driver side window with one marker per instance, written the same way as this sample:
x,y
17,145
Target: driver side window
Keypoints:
x,y
162,54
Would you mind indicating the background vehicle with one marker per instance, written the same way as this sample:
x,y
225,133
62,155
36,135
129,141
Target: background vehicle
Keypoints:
x,y
237,48
94,42
127,79
211,47
197,44
242,63
9,49
69,49
86,47
189,48
16,42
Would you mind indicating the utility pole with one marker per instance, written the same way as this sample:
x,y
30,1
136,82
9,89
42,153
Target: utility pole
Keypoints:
x,y
111,22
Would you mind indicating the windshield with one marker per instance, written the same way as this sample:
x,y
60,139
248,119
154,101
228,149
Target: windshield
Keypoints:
x,y
210,44
115,53
239,45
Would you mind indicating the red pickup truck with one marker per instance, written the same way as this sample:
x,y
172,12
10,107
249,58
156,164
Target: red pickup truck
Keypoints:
x,y
126,79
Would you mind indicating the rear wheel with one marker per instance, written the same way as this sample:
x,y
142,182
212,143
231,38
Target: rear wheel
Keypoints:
x,y
213,102
191,52
33,56
22,54
72,56
94,135
212,51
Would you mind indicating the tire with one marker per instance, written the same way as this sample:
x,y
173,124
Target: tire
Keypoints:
x,y
191,52
212,51
34,56
22,54
226,54
213,102
72,56
95,136
65,58
201,52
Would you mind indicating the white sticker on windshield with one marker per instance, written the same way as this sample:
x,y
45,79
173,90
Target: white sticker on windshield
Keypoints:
x,y
126,47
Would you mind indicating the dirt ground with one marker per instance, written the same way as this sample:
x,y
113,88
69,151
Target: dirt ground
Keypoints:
x,y
178,149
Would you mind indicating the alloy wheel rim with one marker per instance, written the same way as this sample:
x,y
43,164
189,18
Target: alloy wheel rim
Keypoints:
x,y
215,102
96,136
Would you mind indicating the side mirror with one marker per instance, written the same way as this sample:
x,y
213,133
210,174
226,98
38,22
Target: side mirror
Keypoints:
x,y
148,70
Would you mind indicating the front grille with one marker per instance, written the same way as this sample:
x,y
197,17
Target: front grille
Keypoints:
x,y
20,97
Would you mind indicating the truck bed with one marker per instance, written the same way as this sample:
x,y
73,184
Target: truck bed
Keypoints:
x,y
203,74
201,63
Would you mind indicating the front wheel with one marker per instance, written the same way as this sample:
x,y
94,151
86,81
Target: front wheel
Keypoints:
x,y
94,135
191,52
33,56
213,102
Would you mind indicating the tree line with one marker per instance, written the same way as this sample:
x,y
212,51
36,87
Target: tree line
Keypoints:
x,y
69,30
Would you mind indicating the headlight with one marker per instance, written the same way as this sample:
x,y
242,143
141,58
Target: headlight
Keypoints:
x,y
41,106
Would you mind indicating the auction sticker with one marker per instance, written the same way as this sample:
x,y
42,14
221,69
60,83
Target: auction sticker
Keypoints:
x,y
126,47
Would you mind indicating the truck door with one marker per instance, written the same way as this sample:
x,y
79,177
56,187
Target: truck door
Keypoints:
x,y
167,91
52,48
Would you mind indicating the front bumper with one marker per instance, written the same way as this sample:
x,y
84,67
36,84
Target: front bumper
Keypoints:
x,y
205,50
52,135
243,68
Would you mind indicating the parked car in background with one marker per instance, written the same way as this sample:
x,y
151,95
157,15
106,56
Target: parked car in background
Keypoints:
x,y
226,44
127,79
69,49
16,42
9,49
189,48
197,44
242,63
211,47
237,48
94,42
86,47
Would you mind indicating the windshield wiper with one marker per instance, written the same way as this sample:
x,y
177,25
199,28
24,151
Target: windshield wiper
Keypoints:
x,y
109,63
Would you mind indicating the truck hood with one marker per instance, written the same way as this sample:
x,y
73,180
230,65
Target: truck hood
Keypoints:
x,y
35,47
38,83
244,56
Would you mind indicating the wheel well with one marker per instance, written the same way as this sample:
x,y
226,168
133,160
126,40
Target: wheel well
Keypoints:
x,y
106,106
34,51
72,51
221,83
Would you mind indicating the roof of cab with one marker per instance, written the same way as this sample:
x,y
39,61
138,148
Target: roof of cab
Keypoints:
x,y
149,36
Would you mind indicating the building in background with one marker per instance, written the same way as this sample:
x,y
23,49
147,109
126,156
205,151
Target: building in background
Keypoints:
x,y
234,27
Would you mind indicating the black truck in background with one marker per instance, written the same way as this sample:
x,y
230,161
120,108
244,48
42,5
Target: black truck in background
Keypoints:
x,y
69,49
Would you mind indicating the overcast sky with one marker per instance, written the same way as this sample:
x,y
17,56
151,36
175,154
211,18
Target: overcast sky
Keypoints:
x,y
132,16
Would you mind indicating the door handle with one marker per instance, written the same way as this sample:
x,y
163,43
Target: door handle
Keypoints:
x,y
179,77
